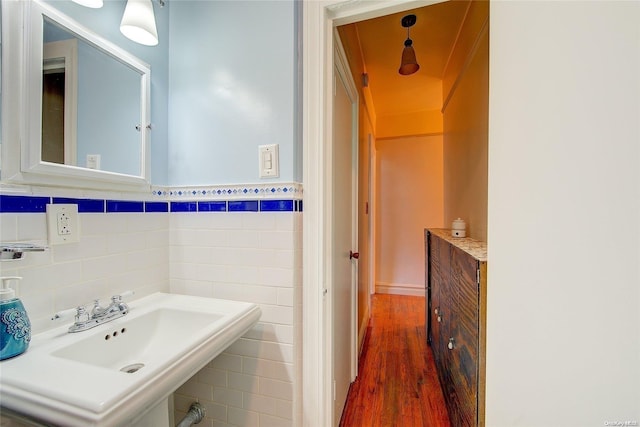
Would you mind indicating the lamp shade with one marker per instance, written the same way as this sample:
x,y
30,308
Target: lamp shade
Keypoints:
x,y
139,23
409,64
94,4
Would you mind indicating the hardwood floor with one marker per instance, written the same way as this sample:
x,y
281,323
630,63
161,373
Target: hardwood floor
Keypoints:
x,y
397,384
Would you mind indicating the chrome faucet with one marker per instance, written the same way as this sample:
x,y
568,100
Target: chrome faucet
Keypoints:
x,y
98,314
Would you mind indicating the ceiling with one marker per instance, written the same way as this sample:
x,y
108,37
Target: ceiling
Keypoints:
x,y
381,41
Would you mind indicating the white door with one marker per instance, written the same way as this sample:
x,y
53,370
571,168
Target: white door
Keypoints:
x,y
344,235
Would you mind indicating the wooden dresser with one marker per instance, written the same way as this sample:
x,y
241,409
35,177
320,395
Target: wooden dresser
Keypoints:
x,y
456,284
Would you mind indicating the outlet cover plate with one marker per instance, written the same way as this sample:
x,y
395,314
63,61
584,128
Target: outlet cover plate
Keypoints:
x,y
63,225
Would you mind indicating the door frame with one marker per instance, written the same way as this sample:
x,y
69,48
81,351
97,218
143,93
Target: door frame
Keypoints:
x,y
342,71
371,218
65,52
342,68
319,18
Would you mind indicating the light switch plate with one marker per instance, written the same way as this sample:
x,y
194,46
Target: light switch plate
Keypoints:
x,y
62,223
268,161
93,161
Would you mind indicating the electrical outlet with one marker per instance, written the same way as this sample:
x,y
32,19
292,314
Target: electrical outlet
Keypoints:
x,y
93,161
62,224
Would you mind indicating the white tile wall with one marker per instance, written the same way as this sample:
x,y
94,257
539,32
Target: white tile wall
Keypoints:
x,y
254,257
116,252
245,256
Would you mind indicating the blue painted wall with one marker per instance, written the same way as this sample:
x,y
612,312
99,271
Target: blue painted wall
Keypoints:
x,y
103,83
232,87
224,80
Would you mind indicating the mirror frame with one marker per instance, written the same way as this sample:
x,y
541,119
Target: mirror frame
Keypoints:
x,y
22,53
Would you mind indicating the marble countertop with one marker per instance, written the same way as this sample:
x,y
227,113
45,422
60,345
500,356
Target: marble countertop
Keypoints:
x,y
475,248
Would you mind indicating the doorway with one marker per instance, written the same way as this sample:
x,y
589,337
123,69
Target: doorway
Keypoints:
x,y
59,102
319,20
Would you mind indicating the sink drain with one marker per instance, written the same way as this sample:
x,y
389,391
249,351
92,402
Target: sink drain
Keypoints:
x,y
130,369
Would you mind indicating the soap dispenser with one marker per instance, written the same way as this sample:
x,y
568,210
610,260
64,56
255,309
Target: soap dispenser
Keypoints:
x,y
15,328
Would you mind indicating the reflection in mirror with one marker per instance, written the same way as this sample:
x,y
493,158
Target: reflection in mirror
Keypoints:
x,y
91,105
59,88
53,103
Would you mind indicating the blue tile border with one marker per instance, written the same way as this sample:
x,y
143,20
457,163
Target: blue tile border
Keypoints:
x,y
277,205
36,204
291,190
156,207
124,206
214,206
84,205
184,207
23,204
242,205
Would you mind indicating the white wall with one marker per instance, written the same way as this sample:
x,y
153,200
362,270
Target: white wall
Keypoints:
x,y
409,198
116,252
563,326
248,257
465,124
244,256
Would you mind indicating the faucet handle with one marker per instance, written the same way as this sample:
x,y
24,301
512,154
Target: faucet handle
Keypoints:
x,y
63,314
82,315
125,294
97,308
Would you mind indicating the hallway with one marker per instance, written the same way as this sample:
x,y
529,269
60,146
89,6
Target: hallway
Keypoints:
x,y
397,384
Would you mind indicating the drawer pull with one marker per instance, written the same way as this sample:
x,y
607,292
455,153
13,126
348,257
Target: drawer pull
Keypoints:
x,y
451,344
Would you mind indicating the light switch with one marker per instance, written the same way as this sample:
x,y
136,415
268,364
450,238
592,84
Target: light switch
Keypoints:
x,y
268,161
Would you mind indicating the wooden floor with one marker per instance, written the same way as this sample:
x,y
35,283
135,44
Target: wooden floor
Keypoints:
x,y
397,384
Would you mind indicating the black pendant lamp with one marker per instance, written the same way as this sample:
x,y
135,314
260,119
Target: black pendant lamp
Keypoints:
x,y
409,64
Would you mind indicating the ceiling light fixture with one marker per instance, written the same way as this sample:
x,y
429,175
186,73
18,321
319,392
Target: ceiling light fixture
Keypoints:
x,y
94,4
139,22
409,64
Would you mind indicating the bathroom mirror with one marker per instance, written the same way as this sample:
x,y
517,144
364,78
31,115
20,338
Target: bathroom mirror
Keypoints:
x,y
79,113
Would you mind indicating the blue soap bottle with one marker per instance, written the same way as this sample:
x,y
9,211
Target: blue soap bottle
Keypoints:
x,y
15,328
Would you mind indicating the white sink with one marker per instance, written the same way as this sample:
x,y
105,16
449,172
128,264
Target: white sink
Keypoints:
x,y
158,335
114,373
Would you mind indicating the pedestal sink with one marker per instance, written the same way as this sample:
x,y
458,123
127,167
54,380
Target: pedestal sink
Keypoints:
x,y
115,373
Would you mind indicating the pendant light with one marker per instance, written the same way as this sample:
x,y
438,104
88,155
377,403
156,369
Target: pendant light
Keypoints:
x,y
94,4
409,64
139,23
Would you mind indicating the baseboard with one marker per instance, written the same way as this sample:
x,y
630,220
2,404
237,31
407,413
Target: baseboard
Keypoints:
x,y
400,289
